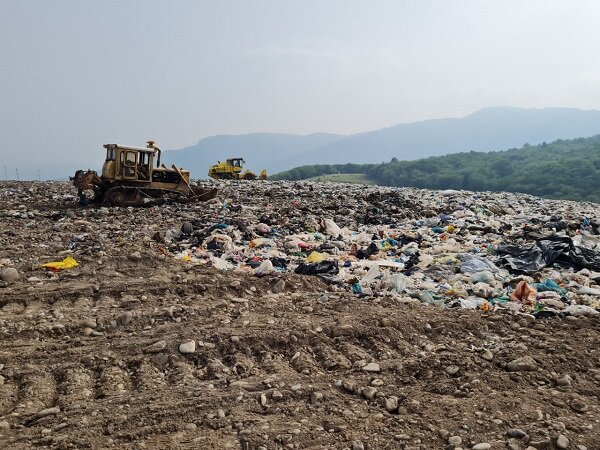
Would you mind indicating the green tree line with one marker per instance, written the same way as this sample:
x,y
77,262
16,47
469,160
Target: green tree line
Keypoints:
x,y
564,169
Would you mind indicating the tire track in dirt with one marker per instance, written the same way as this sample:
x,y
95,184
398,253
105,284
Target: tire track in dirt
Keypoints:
x,y
267,367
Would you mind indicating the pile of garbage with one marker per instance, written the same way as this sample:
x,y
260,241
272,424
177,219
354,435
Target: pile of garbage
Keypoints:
x,y
452,249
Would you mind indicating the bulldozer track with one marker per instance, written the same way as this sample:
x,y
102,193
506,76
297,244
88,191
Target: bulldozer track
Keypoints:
x,y
109,386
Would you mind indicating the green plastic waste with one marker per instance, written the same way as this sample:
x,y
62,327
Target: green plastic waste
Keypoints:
x,y
549,285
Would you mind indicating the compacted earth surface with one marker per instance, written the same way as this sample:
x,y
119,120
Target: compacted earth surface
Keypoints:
x,y
158,339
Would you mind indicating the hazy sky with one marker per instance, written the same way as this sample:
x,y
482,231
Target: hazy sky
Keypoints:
x,y
75,74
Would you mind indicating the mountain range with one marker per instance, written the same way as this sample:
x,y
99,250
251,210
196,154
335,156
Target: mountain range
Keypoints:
x,y
495,128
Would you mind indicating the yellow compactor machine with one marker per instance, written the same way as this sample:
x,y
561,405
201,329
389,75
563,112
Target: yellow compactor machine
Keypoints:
x,y
232,170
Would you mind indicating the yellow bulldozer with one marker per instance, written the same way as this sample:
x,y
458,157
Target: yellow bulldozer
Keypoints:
x,y
232,170
130,178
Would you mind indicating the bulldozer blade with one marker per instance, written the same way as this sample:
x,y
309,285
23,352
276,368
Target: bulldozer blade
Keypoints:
x,y
200,195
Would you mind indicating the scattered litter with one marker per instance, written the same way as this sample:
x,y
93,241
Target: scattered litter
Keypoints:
x,y
451,249
56,266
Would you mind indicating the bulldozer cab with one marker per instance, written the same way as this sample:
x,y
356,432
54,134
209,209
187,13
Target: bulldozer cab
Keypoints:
x,y
128,163
236,162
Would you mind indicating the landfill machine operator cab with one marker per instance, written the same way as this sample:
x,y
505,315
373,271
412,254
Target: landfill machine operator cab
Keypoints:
x,y
132,163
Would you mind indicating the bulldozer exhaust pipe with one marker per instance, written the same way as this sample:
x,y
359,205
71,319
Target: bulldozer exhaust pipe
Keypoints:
x,y
150,144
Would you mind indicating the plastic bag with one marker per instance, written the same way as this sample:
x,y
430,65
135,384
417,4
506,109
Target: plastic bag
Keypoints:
x,y
320,268
523,293
220,242
481,277
396,282
526,260
426,297
57,266
549,285
371,275
316,257
548,251
265,268
581,310
471,302
482,290
263,228
472,264
330,228
587,240
369,251
281,263
585,257
220,263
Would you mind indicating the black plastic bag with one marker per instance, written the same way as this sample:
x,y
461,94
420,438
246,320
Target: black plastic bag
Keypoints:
x,y
527,260
555,248
585,257
408,265
319,268
546,252
370,250
280,262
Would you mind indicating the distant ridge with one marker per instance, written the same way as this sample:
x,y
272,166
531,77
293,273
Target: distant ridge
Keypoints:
x,y
261,150
494,128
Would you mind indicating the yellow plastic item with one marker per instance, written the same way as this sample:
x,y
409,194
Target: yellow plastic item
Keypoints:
x,y
57,266
316,257
447,260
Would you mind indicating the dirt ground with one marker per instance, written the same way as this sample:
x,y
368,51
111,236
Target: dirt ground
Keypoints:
x,y
90,357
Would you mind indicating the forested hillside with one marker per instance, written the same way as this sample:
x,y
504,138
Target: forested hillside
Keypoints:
x,y
566,169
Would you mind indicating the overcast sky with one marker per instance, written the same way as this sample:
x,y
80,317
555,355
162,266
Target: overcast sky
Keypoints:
x,y
75,74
